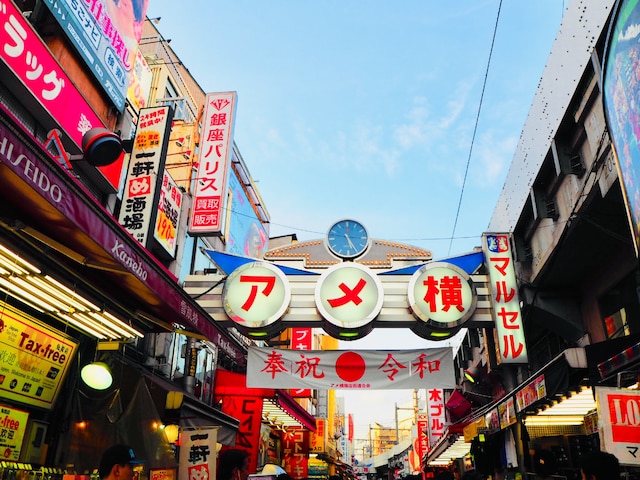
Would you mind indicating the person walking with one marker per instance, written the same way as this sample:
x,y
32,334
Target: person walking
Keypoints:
x,y
117,463
600,466
233,464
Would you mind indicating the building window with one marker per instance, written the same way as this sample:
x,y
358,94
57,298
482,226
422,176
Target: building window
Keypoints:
x,y
620,308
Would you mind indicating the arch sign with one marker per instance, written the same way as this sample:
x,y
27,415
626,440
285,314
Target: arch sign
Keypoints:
x,y
349,297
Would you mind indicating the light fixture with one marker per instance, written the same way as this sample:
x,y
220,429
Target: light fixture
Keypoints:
x,y
26,282
472,374
171,432
97,375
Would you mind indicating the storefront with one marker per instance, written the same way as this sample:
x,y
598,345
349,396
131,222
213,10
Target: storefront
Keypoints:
x,y
79,280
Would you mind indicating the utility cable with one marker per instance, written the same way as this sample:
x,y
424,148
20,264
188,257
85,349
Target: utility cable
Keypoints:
x,y
475,129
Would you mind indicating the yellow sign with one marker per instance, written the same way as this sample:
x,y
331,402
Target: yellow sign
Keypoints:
x,y
33,359
318,440
13,425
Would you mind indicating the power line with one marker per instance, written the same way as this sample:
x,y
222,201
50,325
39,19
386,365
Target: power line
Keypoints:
x,y
475,129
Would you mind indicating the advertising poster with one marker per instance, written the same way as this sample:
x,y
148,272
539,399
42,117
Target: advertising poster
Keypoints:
x,y
35,359
621,95
13,425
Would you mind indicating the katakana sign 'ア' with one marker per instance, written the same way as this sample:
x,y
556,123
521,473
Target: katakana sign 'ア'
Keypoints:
x,y
256,295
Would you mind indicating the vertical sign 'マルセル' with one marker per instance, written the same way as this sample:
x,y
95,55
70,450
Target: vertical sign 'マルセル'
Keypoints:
x,y
504,298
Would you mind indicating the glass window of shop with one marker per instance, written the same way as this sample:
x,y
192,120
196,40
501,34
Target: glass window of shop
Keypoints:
x,y
204,358
620,308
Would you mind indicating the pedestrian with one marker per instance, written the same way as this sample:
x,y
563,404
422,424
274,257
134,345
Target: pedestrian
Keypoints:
x,y
600,466
233,464
117,463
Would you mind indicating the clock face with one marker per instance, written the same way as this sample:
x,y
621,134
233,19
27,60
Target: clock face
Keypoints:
x,y
347,239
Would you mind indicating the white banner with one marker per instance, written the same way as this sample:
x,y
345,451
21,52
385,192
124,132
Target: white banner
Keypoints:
x,y
198,454
350,369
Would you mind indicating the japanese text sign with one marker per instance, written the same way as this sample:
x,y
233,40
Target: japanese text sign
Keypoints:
x,y
168,217
295,452
619,421
531,393
362,369
12,429
256,294
437,414
318,439
32,63
35,359
301,339
504,298
146,169
103,35
507,413
349,295
213,168
423,435
442,295
198,454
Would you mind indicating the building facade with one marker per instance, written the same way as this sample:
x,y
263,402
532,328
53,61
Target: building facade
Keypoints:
x,y
567,206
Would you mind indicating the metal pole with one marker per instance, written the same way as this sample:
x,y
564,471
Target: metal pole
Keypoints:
x,y
397,433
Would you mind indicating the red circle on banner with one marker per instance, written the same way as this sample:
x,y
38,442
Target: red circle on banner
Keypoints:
x,y
350,366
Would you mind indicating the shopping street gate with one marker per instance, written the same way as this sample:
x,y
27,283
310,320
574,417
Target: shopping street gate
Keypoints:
x,y
347,300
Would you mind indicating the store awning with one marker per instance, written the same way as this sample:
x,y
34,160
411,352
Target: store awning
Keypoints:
x,y
450,447
278,407
283,409
54,218
190,412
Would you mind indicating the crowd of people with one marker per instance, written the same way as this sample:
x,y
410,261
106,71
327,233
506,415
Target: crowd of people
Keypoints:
x,y
118,462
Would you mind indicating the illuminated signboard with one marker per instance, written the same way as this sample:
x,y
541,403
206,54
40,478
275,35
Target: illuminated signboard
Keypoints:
x,y
12,429
36,359
146,168
168,216
621,94
105,36
504,298
216,142
255,296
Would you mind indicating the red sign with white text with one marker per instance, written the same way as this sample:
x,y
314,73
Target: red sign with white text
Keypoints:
x,y
295,443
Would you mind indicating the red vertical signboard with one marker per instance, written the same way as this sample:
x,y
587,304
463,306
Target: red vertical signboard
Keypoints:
x,y
296,453
301,339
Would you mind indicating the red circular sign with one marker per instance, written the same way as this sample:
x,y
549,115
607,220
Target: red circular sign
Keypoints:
x,y
350,366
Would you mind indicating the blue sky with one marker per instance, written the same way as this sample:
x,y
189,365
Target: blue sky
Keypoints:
x,y
367,109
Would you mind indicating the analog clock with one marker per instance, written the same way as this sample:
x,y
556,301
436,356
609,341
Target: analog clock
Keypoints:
x,y
347,239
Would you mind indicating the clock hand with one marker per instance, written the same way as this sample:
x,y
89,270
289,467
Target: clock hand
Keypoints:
x,y
349,241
